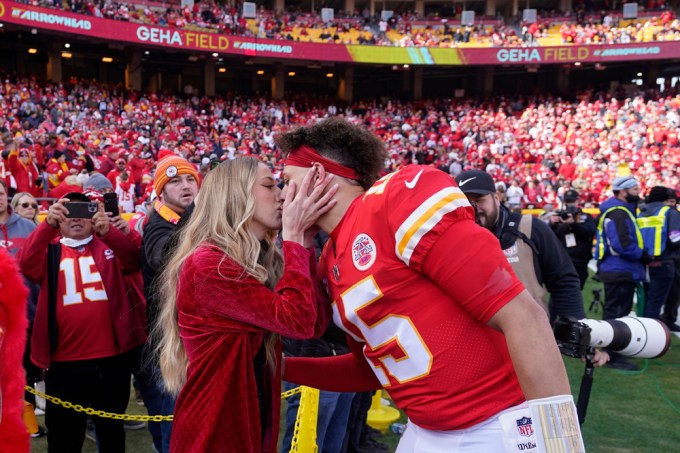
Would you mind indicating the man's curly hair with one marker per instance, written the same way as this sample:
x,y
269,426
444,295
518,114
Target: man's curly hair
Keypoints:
x,y
336,139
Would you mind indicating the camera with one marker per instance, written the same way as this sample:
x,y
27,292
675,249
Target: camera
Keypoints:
x,y
646,338
569,211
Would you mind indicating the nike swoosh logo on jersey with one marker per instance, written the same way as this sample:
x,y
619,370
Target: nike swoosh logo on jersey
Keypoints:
x,y
412,183
462,183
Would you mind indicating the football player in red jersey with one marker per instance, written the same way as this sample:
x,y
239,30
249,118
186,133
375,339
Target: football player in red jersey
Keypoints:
x,y
433,311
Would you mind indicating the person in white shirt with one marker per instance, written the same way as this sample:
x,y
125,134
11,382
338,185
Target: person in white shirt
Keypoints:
x,y
515,195
126,193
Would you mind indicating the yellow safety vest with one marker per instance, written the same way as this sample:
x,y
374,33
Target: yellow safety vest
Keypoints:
x,y
653,229
601,238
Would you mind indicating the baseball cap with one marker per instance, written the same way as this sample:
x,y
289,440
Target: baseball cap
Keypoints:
x,y
76,196
570,195
476,181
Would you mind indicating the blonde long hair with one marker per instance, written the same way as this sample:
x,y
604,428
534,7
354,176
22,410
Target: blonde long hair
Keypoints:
x,y
17,198
221,217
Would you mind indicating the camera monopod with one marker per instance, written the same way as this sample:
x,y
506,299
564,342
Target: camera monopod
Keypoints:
x,y
586,386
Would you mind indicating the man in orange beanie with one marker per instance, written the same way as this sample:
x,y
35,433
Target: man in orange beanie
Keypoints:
x,y
176,185
170,171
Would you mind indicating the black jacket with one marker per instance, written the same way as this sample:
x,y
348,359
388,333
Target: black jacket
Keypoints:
x,y
552,265
155,245
584,233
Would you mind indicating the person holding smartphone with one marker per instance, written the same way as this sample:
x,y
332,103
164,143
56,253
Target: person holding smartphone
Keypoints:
x,y
85,324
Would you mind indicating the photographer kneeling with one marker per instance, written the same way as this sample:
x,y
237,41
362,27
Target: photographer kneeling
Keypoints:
x,y
575,231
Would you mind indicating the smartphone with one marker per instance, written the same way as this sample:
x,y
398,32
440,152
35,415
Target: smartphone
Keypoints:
x,y
81,209
111,204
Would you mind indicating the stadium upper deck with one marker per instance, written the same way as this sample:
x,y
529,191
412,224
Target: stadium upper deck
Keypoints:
x,y
153,48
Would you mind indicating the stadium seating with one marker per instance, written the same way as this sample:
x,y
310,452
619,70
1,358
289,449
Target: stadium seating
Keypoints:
x,y
403,30
584,143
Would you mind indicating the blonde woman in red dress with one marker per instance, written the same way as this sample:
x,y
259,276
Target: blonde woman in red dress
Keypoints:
x,y
227,298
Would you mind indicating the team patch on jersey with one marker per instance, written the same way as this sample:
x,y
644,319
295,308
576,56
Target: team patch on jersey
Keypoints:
x,y
363,252
109,254
525,427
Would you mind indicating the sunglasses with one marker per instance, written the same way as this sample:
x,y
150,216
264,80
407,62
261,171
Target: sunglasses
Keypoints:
x,y
26,205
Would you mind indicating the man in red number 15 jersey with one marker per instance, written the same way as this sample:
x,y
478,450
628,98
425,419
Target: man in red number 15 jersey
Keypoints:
x,y
433,312
88,319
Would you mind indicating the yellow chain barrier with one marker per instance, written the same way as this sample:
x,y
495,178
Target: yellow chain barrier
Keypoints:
x,y
90,411
304,437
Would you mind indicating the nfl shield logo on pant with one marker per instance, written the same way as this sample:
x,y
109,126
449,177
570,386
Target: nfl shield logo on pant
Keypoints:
x,y
524,427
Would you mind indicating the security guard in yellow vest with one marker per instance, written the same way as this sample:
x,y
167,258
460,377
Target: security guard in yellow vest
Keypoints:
x,y
620,254
660,229
670,308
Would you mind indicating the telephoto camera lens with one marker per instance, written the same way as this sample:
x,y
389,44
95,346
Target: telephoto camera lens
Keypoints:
x,y
645,338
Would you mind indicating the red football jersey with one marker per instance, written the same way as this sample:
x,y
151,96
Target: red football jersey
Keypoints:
x,y
424,330
83,317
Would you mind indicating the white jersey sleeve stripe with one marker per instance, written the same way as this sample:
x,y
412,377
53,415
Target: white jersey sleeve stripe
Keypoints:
x,y
424,218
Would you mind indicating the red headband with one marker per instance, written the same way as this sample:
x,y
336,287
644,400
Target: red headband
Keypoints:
x,y
306,157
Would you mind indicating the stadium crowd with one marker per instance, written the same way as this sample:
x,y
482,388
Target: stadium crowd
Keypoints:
x,y
59,133
403,30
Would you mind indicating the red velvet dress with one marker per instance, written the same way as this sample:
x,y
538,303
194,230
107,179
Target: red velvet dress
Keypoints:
x,y
224,314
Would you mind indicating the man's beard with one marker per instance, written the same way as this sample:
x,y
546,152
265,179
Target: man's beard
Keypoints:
x,y
488,220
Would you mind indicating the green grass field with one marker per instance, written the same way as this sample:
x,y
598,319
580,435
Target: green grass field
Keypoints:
x,y
628,411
